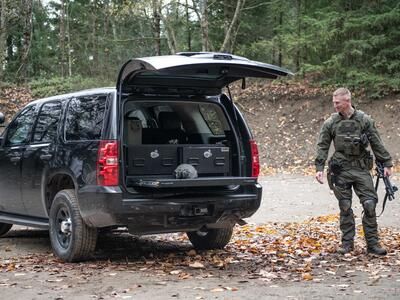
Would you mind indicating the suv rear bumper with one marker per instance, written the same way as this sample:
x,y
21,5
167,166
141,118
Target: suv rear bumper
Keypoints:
x,y
107,206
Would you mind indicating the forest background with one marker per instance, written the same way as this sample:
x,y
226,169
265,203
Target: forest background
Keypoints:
x,y
352,42
50,47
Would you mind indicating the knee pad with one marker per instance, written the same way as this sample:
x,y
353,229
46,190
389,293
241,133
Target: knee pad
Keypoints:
x,y
345,206
369,207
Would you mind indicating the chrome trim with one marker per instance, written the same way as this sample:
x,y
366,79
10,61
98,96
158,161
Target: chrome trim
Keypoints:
x,y
39,145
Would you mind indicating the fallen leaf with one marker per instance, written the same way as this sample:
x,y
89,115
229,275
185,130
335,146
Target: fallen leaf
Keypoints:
x,y
197,265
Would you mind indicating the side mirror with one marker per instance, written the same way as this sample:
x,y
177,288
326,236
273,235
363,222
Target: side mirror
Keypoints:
x,y
2,118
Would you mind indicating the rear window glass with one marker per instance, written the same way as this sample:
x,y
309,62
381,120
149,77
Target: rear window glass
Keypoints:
x,y
174,122
85,117
210,115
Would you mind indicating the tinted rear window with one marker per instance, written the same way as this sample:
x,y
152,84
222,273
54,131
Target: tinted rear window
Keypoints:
x,y
85,117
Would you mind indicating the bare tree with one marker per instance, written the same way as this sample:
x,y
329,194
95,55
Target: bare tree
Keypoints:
x,y
170,32
3,35
68,33
230,34
156,5
200,7
188,27
26,39
298,50
62,38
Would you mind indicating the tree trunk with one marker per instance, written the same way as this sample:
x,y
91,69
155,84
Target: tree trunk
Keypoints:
x,y
188,27
274,34
227,44
280,40
68,33
3,36
171,37
22,72
156,26
171,40
298,50
62,38
94,48
201,9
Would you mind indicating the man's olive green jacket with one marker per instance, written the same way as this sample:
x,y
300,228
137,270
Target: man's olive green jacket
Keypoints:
x,y
366,125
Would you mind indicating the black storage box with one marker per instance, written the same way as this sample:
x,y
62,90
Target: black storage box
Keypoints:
x,y
152,159
207,159
163,159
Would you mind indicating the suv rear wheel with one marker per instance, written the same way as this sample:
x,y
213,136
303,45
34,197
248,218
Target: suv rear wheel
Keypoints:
x,y
72,240
4,228
216,238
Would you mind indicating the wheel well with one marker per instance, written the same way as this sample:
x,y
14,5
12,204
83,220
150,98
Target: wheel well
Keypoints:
x,y
57,183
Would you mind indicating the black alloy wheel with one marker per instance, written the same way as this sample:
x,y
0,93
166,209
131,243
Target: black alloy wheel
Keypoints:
x,y
63,226
71,239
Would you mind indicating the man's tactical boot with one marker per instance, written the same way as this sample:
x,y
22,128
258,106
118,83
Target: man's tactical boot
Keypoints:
x,y
345,248
377,250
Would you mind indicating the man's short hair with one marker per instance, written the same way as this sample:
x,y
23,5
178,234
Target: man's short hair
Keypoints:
x,y
342,92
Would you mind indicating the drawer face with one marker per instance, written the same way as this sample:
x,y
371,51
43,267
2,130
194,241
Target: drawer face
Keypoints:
x,y
207,159
164,159
152,159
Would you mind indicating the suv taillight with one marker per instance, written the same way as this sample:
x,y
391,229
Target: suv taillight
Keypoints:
x,y
107,163
255,160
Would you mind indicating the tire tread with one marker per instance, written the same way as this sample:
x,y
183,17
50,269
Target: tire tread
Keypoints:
x,y
84,237
216,238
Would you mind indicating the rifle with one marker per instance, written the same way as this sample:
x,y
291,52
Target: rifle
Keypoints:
x,y
390,189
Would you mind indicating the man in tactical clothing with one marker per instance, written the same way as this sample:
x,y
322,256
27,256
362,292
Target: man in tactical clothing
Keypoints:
x,y
351,131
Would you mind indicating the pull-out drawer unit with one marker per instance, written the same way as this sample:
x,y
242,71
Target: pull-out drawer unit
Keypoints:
x,y
164,159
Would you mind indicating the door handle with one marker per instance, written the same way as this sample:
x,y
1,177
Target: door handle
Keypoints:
x,y
46,156
15,159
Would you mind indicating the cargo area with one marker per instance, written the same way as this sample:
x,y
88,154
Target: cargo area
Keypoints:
x,y
168,140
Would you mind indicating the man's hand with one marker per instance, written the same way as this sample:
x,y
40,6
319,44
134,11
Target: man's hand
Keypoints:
x,y
320,177
387,171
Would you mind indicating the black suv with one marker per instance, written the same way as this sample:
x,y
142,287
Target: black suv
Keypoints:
x,y
165,151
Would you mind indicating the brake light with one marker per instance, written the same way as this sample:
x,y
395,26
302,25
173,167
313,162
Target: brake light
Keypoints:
x,y
107,163
255,160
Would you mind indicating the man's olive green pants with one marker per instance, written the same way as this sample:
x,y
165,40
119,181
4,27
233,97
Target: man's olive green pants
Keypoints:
x,y
361,181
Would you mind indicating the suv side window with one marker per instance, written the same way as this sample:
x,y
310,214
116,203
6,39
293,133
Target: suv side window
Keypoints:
x,y
85,117
19,130
47,123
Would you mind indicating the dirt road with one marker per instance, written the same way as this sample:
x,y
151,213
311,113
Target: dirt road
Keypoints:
x,y
288,198
157,267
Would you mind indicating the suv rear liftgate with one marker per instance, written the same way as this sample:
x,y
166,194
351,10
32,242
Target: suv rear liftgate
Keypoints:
x,y
153,151
163,151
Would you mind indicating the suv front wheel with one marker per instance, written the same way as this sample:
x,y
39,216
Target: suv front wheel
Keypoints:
x,y
212,238
72,240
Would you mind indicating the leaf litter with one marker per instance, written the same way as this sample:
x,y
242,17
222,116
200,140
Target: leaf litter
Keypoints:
x,y
295,251
271,252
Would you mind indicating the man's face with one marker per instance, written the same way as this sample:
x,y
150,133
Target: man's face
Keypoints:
x,y
341,103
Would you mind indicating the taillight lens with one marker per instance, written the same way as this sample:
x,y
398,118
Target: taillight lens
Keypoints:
x,y
255,160
107,163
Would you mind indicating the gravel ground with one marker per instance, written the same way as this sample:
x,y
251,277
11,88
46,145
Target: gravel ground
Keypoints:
x,y
29,271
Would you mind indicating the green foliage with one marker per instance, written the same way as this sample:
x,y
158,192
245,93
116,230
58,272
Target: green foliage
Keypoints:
x,y
353,43
57,85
